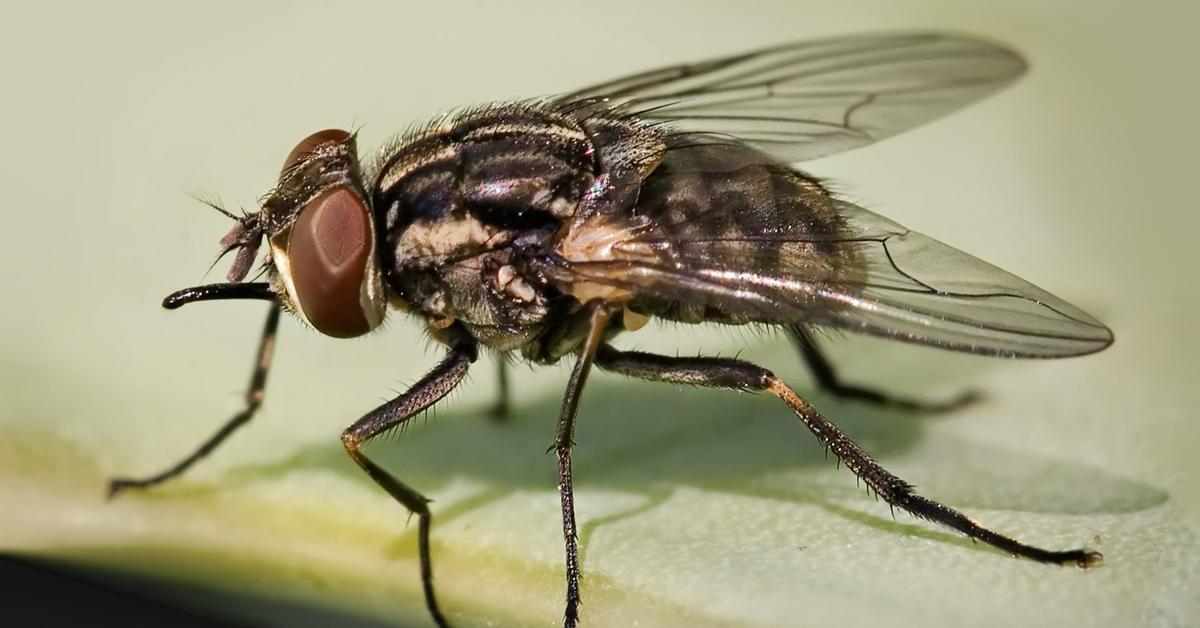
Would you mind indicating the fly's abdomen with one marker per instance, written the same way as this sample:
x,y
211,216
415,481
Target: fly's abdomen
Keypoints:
x,y
734,214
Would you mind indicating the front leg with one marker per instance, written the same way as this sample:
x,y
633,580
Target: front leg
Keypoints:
x,y
429,390
739,375
254,392
597,322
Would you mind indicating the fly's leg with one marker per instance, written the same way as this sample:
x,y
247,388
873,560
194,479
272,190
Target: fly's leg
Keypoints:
x,y
254,397
739,375
827,379
563,442
431,388
499,411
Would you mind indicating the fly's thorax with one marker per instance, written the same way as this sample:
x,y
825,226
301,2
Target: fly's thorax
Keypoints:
x,y
456,199
465,202
491,294
455,188
322,238
515,166
458,265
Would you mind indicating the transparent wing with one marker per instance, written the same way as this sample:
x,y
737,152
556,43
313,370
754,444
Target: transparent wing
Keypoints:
x,y
917,288
894,283
806,100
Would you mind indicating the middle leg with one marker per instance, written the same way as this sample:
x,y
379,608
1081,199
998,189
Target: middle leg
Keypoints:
x,y
564,441
499,411
739,375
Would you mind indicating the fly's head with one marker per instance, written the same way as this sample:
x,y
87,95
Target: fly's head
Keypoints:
x,y
320,230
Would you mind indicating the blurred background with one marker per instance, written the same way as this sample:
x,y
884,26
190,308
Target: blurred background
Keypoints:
x,y
696,507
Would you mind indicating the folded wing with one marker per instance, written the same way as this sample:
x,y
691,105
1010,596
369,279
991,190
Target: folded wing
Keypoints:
x,y
870,276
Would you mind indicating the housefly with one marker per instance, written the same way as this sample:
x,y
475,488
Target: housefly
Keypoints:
x,y
545,228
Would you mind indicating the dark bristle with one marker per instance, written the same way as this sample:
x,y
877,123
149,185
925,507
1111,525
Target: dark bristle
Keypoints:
x,y
214,205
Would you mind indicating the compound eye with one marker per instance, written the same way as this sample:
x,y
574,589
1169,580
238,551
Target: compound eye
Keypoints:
x,y
328,252
312,143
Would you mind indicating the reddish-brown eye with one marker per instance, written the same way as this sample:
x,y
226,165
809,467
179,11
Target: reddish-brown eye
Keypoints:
x,y
312,142
328,252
